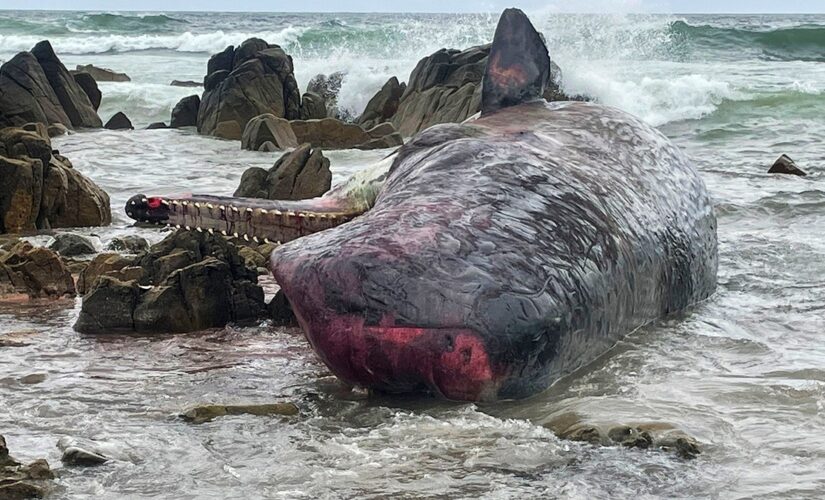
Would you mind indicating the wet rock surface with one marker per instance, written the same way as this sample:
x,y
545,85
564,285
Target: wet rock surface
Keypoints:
x,y
119,122
331,133
72,245
71,96
651,435
328,87
189,281
89,86
268,128
102,74
129,244
785,165
26,94
301,174
34,271
42,190
383,105
185,112
18,481
207,413
185,83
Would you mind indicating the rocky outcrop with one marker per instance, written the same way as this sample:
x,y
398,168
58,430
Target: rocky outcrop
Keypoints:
x,y
102,74
268,128
119,122
41,190
313,107
298,175
190,281
128,243
34,271
785,165
72,245
89,86
112,265
444,87
254,79
185,83
328,87
185,112
74,100
157,126
26,95
383,105
18,481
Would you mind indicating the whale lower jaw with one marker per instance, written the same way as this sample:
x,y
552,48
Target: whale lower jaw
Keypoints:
x,y
260,221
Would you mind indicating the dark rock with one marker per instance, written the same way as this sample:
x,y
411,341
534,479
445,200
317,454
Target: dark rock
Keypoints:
x,y
207,413
298,175
785,165
129,244
258,79
157,126
253,259
36,271
185,112
119,122
89,86
222,61
280,311
383,105
328,87
313,107
74,100
83,458
185,83
102,74
71,245
189,281
108,264
268,128
26,95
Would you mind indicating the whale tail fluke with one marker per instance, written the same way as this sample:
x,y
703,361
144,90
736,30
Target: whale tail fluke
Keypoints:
x,y
518,69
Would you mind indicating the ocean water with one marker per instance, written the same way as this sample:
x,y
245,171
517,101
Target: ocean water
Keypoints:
x,y
744,372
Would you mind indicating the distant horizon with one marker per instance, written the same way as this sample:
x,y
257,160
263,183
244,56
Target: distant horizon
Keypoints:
x,y
662,13
713,7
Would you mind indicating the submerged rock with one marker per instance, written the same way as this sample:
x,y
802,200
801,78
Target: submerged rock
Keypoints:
x,y
254,79
301,174
129,244
280,311
80,457
185,83
72,245
35,271
102,74
785,165
157,126
654,436
207,413
189,281
268,128
89,86
185,112
119,122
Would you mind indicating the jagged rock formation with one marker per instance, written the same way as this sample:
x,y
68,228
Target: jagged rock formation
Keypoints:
x,y
298,175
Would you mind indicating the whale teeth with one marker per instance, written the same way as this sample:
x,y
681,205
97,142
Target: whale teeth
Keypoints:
x,y
322,216
132,202
184,203
246,237
197,205
234,235
177,226
144,200
164,202
223,233
264,211
278,212
234,208
266,240
311,216
188,228
198,229
209,206
249,210
291,213
175,202
211,231
255,239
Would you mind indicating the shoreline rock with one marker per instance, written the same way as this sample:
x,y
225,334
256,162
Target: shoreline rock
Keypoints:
x,y
185,83
34,271
18,481
185,112
206,413
119,122
301,174
102,74
785,165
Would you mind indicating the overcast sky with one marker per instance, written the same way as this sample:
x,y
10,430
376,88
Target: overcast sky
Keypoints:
x,y
668,6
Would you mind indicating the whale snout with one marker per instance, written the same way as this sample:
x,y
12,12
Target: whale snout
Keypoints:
x,y
369,347
147,209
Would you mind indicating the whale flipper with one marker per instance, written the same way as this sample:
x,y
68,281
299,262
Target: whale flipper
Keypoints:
x,y
518,69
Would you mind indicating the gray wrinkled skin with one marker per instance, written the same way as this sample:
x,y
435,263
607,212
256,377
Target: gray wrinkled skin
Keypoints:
x,y
549,230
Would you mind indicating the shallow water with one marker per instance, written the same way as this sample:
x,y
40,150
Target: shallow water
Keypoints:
x,y
743,372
